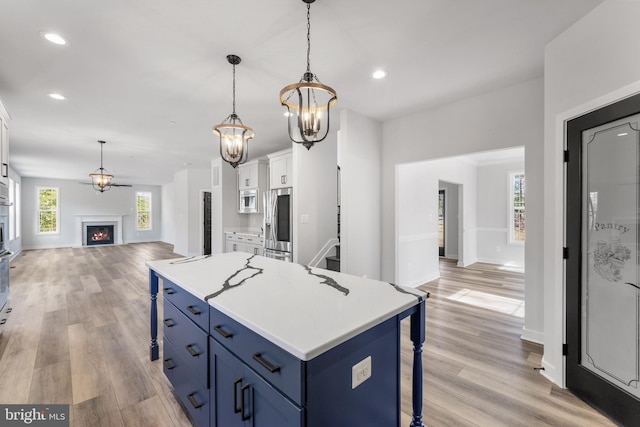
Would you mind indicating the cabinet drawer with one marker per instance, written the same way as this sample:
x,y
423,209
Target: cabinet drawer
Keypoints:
x,y
254,240
189,341
235,237
193,397
278,367
194,308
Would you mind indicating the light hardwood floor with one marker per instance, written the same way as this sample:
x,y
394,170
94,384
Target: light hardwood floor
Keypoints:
x,y
79,334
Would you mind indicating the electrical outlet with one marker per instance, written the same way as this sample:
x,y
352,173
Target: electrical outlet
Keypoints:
x,y
360,372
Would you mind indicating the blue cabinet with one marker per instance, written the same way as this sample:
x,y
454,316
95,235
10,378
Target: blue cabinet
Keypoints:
x,y
185,350
239,397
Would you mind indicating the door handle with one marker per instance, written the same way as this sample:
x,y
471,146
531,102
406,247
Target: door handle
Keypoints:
x,y
236,409
194,310
192,351
222,332
244,388
193,401
168,363
265,364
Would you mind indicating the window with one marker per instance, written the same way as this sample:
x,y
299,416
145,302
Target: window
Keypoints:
x,y
516,207
48,208
143,209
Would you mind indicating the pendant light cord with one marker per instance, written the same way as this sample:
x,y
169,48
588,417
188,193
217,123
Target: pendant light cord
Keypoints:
x,y
234,89
308,37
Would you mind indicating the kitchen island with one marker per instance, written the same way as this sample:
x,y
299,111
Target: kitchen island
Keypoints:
x,y
249,340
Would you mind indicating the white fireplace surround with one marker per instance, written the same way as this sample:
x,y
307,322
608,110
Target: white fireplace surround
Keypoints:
x,y
83,220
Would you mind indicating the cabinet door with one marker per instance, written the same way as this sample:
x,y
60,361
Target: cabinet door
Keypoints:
x,y
248,176
269,407
241,398
280,171
236,246
226,373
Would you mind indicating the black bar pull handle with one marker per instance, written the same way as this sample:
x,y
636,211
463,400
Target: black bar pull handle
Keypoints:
x,y
192,351
194,310
169,323
193,401
169,291
268,366
244,388
222,332
168,363
236,409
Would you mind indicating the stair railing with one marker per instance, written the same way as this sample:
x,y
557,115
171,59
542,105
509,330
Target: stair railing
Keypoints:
x,y
324,252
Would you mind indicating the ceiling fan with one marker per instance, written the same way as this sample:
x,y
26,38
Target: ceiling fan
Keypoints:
x,y
101,179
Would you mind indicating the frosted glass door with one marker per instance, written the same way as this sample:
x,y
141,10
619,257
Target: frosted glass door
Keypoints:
x,y
610,297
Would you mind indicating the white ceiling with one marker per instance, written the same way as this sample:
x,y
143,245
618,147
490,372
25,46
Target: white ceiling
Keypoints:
x,y
151,78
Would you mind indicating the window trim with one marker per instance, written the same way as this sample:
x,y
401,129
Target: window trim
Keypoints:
x,y
150,195
57,211
510,216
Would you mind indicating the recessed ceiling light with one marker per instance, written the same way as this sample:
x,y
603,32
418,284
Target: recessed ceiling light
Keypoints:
x,y
53,38
623,134
57,96
379,74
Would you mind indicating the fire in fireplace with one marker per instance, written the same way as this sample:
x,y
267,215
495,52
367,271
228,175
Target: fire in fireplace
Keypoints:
x,y
99,235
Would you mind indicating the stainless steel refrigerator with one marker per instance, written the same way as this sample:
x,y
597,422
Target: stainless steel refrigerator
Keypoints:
x,y
278,224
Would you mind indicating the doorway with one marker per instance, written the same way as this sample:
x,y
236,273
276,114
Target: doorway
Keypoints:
x,y
603,259
441,219
206,223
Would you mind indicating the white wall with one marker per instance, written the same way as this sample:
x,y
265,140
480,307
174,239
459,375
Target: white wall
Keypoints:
x,y
168,213
417,213
80,199
15,245
493,216
500,119
188,186
591,64
360,148
224,204
315,196
451,218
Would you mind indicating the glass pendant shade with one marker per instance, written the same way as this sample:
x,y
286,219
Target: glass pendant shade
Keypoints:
x,y
308,106
234,140
100,179
308,102
234,136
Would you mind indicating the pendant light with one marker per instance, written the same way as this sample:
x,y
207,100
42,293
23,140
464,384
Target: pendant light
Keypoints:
x,y
234,136
308,102
100,179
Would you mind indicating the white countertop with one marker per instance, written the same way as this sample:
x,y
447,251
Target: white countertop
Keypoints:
x,y
303,310
244,231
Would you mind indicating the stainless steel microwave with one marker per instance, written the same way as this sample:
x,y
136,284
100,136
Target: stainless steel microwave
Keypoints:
x,y
248,201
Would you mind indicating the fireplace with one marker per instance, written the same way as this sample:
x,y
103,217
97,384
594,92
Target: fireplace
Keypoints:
x,y
94,220
100,235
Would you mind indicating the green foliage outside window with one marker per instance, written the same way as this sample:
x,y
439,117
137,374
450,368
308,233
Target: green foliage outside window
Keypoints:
x,y
143,209
48,210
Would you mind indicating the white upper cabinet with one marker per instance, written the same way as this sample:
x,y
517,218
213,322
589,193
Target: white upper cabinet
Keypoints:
x,y
248,175
281,169
4,145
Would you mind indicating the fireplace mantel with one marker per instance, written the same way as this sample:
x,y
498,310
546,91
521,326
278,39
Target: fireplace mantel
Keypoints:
x,y
83,219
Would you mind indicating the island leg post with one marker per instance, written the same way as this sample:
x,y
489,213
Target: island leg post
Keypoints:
x,y
417,337
154,349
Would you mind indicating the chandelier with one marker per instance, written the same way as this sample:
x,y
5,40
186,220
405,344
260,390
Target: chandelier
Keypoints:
x,y
234,136
100,179
307,101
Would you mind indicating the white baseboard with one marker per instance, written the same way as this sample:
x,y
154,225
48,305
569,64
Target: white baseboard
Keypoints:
x,y
420,282
533,336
